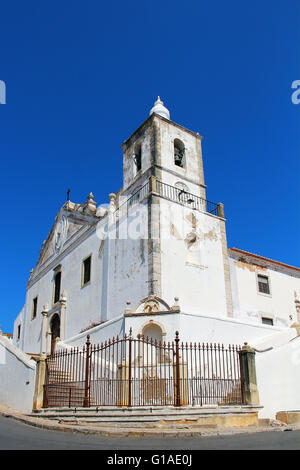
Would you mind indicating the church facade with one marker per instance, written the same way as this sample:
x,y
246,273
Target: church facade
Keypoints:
x,y
155,259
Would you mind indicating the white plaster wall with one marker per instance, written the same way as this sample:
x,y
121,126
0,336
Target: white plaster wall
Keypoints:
x,y
17,377
83,303
220,330
196,276
98,334
249,303
167,322
200,328
278,378
128,263
19,321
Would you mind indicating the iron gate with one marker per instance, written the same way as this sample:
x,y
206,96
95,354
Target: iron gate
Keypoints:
x,y
143,372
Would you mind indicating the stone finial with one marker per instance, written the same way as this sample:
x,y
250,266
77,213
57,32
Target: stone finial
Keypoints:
x,y
45,310
176,306
63,298
128,308
90,204
112,202
247,347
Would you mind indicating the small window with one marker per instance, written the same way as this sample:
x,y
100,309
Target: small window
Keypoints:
x,y
57,282
179,153
86,270
34,307
263,284
19,332
267,321
138,158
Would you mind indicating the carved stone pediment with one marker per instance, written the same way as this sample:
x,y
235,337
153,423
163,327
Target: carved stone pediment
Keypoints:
x,y
67,226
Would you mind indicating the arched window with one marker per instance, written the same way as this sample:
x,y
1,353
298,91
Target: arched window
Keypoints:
x,y
179,157
138,158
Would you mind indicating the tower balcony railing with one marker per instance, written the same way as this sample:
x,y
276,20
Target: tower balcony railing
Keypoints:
x,y
185,198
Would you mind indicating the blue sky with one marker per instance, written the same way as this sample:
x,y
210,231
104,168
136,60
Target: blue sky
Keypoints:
x,y
82,76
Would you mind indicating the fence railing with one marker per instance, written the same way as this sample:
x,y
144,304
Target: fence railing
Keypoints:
x,y
140,371
169,192
187,199
125,204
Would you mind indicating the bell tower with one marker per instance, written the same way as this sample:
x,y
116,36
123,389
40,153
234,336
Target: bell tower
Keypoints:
x,y
186,243
164,149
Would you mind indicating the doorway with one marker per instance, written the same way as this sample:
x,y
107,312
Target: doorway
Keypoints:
x,y
55,332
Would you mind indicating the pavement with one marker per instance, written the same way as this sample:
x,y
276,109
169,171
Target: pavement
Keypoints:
x,y
109,431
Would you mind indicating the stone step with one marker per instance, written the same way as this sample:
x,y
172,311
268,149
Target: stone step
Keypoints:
x,y
137,412
171,424
165,417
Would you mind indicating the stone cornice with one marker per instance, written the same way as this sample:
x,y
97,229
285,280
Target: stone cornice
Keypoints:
x,y
149,120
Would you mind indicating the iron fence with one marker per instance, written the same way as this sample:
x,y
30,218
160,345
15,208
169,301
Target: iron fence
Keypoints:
x,y
140,371
169,192
125,205
187,199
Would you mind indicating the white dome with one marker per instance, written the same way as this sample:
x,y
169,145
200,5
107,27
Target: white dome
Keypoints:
x,y
160,109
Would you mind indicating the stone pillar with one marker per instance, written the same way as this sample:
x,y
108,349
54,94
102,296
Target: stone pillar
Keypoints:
x,y
221,210
44,329
183,381
229,304
112,202
152,184
63,304
248,376
40,378
123,384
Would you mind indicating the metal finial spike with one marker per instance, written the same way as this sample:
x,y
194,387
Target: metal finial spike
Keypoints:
x,y
68,194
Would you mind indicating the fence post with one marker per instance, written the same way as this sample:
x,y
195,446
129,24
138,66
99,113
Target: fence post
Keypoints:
x,y
87,373
40,394
248,376
177,374
129,369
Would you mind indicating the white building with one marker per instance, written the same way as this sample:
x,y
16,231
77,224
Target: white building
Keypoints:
x,y
155,260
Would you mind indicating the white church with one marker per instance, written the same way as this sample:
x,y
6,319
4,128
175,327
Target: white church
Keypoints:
x,y
155,259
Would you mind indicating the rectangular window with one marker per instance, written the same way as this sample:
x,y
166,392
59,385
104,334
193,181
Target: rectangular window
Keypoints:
x,y
34,307
263,284
57,281
19,332
267,321
86,270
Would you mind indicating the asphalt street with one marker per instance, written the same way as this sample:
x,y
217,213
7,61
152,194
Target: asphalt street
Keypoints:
x,y
18,436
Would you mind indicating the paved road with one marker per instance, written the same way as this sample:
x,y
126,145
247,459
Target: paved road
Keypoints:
x,y
16,436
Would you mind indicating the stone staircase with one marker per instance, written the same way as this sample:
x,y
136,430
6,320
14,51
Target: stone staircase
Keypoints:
x,y
62,390
152,417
